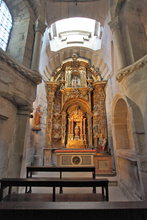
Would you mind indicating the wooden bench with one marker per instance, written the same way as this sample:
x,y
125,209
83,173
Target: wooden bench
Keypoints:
x,y
31,169
73,210
45,182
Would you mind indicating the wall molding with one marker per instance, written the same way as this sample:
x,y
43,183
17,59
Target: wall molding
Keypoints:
x,y
131,68
34,76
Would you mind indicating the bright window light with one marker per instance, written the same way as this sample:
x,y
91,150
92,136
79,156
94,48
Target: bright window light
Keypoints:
x,y
71,24
83,32
5,25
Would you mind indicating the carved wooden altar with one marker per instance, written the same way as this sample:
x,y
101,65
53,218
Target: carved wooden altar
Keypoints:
x,y
76,107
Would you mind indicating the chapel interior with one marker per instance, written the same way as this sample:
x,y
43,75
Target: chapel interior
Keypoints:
x,y
73,88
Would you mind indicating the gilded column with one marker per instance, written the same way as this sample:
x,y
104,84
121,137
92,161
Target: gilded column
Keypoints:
x,y
84,129
51,89
99,111
118,42
63,128
89,117
81,130
39,30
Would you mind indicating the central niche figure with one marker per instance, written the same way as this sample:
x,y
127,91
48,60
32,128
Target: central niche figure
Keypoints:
x,y
75,82
76,128
77,132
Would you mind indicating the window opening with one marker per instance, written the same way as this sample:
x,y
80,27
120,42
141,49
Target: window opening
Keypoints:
x,y
5,25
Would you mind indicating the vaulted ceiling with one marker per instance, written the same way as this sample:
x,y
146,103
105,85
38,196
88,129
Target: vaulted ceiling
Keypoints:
x,y
56,10
95,9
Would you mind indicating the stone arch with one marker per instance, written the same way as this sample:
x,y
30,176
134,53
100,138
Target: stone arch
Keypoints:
x,y
132,124
126,144
55,60
82,103
120,124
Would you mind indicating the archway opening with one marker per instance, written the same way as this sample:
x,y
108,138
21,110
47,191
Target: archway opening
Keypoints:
x,y
121,125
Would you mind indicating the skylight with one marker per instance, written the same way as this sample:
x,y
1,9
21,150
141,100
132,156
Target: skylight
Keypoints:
x,y
75,32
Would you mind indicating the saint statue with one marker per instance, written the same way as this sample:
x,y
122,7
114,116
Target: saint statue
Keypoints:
x,y
77,131
102,143
37,117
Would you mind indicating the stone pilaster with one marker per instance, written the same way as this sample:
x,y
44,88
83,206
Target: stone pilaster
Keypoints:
x,y
133,31
16,154
51,89
118,42
39,30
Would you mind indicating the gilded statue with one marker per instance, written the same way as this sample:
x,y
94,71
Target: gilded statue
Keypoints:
x,y
77,131
37,117
102,141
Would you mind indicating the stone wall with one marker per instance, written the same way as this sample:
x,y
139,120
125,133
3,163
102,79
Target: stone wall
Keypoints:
x,y
129,143
17,93
8,117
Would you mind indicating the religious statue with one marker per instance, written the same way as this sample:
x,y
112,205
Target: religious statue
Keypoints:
x,y
75,82
37,117
77,131
102,141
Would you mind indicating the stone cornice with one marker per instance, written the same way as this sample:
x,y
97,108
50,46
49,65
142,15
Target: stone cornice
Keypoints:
x,y
34,76
114,24
131,68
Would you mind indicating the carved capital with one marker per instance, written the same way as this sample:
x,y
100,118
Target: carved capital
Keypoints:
x,y
114,24
39,26
98,85
52,86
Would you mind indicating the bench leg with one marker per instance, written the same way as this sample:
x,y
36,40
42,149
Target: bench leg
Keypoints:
x,y
28,191
54,194
94,189
107,193
61,190
1,193
9,191
103,193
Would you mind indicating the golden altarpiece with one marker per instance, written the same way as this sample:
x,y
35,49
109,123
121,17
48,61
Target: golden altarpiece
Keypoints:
x,y
76,120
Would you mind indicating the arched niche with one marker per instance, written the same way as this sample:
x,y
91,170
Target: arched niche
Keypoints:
x,y
121,125
79,102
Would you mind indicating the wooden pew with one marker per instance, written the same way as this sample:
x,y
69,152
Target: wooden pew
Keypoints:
x,y
31,169
73,210
45,182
